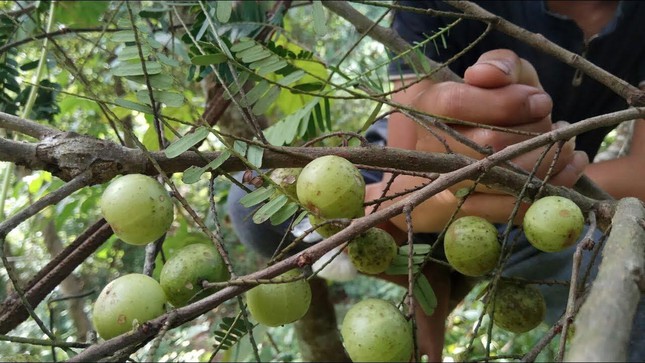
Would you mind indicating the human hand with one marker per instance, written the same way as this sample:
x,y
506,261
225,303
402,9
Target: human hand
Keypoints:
x,y
503,90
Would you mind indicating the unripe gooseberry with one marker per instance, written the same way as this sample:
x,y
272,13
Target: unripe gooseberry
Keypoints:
x,y
286,178
372,252
374,330
332,187
518,307
138,208
182,276
276,304
553,223
125,302
471,246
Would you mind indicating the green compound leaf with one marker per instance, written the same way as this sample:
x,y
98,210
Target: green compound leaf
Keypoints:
x,y
284,213
254,155
266,211
192,174
257,196
136,69
229,332
424,295
133,106
186,142
224,9
208,59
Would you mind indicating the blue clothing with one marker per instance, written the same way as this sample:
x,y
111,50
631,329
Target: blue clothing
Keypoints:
x,y
619,48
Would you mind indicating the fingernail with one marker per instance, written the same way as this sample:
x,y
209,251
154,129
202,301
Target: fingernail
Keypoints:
x,y
560,124
540,105
501,65
578,163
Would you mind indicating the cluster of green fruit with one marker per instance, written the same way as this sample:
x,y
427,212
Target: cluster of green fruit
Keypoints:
x,y
331,188
140,211
551,224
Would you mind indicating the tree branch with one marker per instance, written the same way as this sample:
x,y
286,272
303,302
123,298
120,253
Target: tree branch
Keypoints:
x,y
615,293
633,95
24,126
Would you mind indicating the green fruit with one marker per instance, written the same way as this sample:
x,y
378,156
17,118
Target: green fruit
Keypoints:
x,y
286,178
182,276
553,223
137,208
375,331
471,246
279,304
372,252
518,308
332,187
326,230
129,300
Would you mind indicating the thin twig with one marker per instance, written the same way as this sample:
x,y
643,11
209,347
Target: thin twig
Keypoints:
x,y
584,244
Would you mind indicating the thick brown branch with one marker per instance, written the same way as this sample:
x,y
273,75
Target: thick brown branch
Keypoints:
x,y
24,126
604,321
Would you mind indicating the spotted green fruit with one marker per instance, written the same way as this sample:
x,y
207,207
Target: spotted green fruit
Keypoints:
x,y
374,330
372,252
518,307
327,229
182,276
286,178
553,223
138,208
332,187
279,304
126,302
471,246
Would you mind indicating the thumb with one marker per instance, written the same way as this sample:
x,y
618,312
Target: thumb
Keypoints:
x,y
499,68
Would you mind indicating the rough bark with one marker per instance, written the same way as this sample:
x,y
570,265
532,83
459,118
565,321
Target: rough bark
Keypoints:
x,y
318,335
604,322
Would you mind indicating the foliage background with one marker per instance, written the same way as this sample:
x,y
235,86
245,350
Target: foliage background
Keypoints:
x,y
67,103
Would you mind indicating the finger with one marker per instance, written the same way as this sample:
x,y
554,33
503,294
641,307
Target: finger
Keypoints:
x,y
493,207
497,140
501,67
510,105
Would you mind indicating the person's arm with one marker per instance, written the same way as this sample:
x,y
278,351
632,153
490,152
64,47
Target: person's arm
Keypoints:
x,y
501,89
623,177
